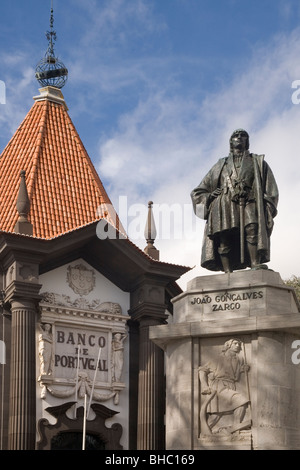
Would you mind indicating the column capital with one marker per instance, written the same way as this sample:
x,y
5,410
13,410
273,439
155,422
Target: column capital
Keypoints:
x,y
148,303
22,281
24,291
149,314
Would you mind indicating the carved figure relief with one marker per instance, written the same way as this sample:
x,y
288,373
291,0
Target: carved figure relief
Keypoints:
x,y
2,352
117,356
63,434
224,401
81,279
11,273
46,349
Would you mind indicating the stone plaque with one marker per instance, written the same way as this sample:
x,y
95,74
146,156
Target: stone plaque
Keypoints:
x,y
73,345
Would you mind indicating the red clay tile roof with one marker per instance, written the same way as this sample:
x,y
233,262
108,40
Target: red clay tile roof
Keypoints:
x,y
64,188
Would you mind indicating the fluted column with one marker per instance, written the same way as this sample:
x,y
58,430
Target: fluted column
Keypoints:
x,y
151,394
22,413
22,295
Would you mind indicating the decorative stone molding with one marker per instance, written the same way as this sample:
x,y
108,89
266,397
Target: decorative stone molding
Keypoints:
x,y
22,272
111,308
83,387
51,313
51,94
29,273
110,436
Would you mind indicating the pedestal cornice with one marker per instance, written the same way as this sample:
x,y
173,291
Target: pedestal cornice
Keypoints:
x,y
161,335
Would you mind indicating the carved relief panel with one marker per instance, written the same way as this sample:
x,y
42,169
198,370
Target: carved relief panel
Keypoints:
x,y
224,375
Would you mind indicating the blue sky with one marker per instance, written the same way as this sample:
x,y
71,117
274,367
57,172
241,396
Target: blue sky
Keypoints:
x,y
155,89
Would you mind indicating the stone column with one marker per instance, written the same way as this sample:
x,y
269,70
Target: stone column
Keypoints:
x,y
133,381
22,415
148,308
22,294
151,392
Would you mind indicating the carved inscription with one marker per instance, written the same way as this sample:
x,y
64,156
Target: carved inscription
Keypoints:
x,y
84,342
227,301
78,359
73,345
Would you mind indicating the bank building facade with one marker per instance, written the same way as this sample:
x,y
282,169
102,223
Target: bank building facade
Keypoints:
x,y
77,296
76,304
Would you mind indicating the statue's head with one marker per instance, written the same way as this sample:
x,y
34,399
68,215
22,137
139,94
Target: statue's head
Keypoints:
x,y
232,343
239,133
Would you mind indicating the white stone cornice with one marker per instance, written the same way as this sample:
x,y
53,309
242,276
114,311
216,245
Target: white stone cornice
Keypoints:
x,y
53,94
74,315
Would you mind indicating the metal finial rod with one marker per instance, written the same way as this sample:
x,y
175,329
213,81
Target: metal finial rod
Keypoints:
x,y
51,18
50,71
51,35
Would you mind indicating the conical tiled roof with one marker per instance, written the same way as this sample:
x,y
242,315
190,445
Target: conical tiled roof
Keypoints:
x,y
64,189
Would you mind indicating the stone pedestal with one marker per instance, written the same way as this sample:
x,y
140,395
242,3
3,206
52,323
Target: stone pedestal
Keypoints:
x,y
232,373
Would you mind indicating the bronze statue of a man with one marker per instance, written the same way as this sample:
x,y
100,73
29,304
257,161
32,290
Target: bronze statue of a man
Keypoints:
x,y
238,198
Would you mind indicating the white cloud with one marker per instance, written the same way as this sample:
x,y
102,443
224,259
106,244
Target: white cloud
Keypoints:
x,y
158,140
19,91
166,145
116,21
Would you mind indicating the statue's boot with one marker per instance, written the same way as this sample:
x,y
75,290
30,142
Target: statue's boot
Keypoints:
x,y
254,257
226,263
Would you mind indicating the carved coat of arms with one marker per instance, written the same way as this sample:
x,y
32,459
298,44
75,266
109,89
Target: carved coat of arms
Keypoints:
x,y
81,279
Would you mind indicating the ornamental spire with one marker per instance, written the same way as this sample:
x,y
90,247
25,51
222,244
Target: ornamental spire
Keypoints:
x,y
150,234
50,71
23,207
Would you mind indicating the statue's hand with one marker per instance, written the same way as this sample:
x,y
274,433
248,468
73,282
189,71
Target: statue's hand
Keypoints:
x,y
216,192
206,391
245,368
